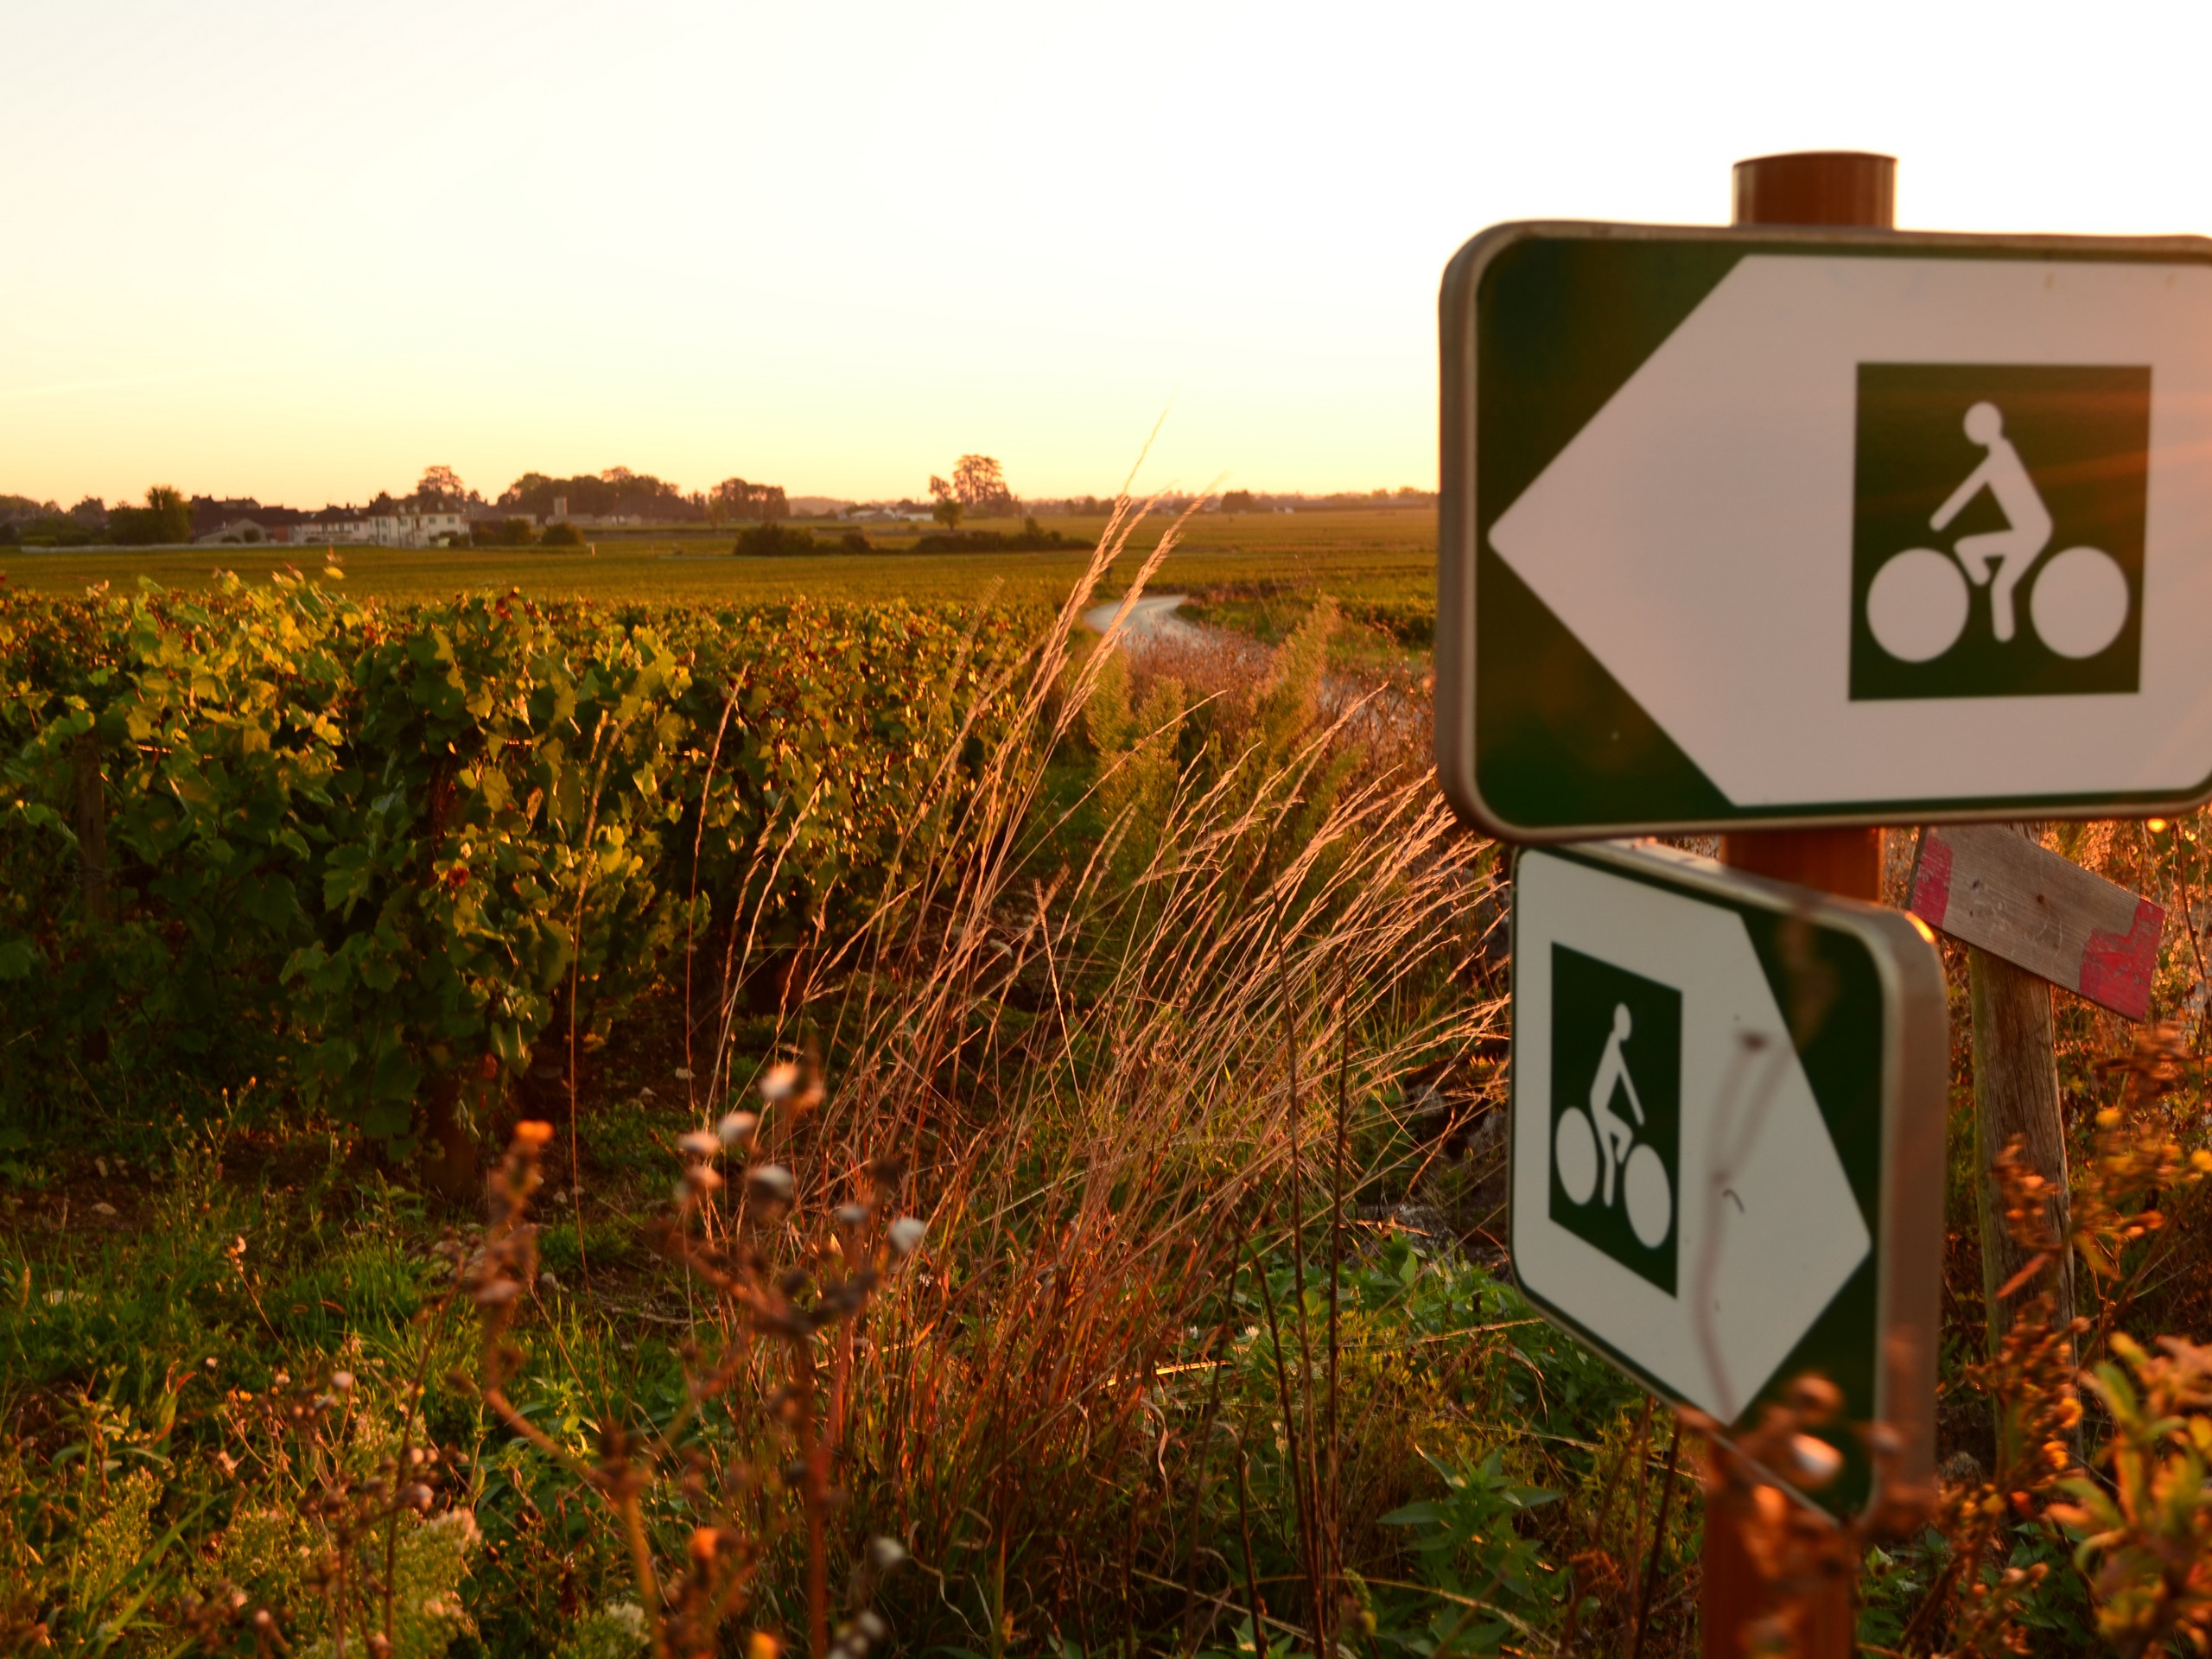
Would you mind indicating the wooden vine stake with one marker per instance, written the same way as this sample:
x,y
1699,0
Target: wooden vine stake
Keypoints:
x,y
2030,919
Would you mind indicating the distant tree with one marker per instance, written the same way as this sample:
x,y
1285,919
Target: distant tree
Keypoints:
x,y
734,498
440,483
1237,501
618,492
946,507
172,514
166,517
979,483
562,535
525,488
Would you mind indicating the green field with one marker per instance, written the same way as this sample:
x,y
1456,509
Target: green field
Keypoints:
x,y
1383,554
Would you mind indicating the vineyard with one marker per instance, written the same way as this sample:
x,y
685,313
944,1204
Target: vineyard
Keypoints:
x,y
992,1146
272,833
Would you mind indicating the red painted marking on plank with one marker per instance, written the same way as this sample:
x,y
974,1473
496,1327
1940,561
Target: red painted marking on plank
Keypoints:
x,y
2116,969
1931,884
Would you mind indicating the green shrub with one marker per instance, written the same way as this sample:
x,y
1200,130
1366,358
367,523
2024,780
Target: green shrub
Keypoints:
x,y
773,540
1032,538
561,535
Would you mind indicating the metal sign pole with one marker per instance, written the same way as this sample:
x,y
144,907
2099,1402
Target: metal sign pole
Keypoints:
x,y
1820,187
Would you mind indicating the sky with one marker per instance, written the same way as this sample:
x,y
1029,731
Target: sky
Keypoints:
x,y
300,251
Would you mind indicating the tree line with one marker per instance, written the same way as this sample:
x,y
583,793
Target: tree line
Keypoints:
x,y
165,517
618,493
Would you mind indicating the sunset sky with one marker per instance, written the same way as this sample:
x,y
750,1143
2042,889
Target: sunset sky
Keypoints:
x,y
299,251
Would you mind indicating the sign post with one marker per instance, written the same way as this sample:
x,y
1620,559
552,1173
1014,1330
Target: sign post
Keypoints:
x,y
1789,532
1817,188
1726,1165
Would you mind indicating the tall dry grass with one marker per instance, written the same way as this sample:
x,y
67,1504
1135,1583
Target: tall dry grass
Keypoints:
x,y
1123,1023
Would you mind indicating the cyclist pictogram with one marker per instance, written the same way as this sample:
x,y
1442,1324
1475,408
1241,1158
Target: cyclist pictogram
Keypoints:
x,y
1616,1093
1918,604
1997,536
1589,1158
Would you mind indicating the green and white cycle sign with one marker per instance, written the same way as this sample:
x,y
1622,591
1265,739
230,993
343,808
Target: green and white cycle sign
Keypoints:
x,y
1759,527
1726,1136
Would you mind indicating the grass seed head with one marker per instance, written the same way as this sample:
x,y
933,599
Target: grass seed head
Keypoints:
x,y
771,1181
885,1553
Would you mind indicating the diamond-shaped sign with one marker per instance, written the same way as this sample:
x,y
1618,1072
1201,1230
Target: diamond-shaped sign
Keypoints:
x,y
1727,1131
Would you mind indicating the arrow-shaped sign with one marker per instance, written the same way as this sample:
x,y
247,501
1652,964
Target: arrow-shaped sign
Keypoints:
x,y
1893,524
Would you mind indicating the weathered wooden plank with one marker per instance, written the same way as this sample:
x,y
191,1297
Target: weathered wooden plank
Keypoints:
x,y
1996,889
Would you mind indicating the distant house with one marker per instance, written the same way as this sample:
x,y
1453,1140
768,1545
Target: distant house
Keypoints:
x,y
239,530
212,515
393,524
334,527
418,527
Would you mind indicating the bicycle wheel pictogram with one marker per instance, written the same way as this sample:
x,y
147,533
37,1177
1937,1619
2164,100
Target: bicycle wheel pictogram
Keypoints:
x,y
1921,599
1574,1155
1918,604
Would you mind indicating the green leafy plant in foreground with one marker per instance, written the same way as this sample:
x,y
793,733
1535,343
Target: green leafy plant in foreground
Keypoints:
x,y
2145,1533
1494,1583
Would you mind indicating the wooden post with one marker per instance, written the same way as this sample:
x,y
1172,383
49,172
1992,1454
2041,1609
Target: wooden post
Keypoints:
x,y
2016,1093
1822,187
